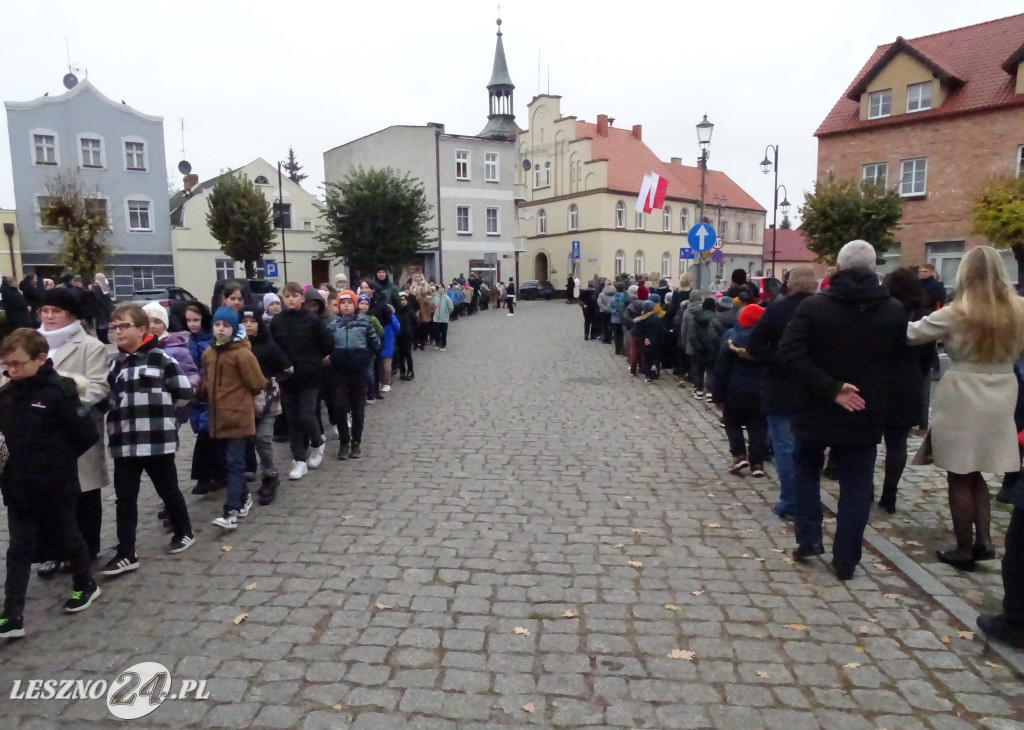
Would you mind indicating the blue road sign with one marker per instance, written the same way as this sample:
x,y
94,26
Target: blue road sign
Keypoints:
x,y
575,250
685,253
270,268
717,256
702,237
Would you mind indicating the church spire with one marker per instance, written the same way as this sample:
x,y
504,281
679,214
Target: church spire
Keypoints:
x,y
501,119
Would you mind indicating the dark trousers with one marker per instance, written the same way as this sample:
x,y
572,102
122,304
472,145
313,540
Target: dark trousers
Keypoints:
x,y
895,459
403,355
23,525
617,337
303,430
89,515
681,363
604,323
511,301
926,389
589,327
650,360
206,464
855,465
1013,570
636,349
350,397
127,480
232,454
422,334
698,368
441,333
736,418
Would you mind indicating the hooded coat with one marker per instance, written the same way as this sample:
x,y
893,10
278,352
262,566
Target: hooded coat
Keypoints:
x,y
605,299
685,320
305,341
765,336
231,380
388,290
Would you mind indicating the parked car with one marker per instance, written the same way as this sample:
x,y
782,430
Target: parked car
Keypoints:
x,y
165,296
259,287
534,289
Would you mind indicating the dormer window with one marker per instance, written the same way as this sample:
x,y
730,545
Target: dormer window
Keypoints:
x,y
261,180
879,104
919,97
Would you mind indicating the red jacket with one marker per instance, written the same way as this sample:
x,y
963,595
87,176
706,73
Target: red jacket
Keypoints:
x,y
641,292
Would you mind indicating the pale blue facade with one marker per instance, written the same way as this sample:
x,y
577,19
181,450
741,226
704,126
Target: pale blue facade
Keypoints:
x,y
117,152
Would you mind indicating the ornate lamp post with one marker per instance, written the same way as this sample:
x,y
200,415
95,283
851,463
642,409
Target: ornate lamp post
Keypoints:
x,y
704,130
766,167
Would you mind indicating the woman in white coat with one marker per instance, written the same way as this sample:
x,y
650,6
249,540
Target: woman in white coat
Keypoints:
x,y
84,359
972,427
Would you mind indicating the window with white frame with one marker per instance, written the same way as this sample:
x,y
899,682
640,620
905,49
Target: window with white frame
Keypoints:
x,y
879,104
139,215
261,180
90,151
142,278
620,215
491,167
547,173
462,164
666,265
666,219
225,269
574,217
44,145
639,263
620,261
542,222
572,172
96,208
913,176
1020,159
753,231
42,203
462,219
874,173
640,221
684,221
723,230
919,97
135,155
493,222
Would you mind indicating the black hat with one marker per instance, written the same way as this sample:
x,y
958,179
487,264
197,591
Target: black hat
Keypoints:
x,y
71,300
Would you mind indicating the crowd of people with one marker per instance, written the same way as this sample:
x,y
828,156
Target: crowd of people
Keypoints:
x,y
814,374
242,373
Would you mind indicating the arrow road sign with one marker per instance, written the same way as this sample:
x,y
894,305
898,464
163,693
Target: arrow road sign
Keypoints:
x,y
702,237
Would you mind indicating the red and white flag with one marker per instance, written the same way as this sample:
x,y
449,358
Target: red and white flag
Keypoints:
x,y
652,193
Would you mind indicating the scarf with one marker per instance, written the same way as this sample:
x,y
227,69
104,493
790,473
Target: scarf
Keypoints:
x,y
56,338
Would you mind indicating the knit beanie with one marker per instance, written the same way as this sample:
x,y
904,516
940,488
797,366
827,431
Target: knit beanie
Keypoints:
x,y
632,291
347,294
227,314
724,304
652,297
363,298
696,296
155,310
269,298
750,314
708,305
648,306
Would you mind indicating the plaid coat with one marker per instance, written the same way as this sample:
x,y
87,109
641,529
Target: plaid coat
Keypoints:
x,y
146,389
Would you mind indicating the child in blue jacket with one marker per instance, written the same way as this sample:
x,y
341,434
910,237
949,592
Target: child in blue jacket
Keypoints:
x,y
387,351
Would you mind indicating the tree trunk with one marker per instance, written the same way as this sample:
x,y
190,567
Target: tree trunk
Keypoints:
x,y
250,269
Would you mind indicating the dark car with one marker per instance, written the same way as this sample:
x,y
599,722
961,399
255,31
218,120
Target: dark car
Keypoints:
x,y
534,289
259,287
165,296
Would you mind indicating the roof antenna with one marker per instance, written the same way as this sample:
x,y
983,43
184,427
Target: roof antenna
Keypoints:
x,y
182,120
549,79
70,78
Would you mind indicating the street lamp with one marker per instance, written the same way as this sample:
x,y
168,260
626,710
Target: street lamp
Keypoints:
x,y
280,220
766,167
704,130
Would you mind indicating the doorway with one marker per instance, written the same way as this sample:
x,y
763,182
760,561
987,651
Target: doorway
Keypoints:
x,y
321,270
540,267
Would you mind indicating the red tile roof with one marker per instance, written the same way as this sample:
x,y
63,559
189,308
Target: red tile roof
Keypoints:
x,y
789,246
629,159
969,60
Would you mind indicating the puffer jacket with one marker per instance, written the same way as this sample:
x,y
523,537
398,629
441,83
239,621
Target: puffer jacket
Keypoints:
x,y
686,315
737,381
700,335
605,299
177,346
722,323
231,380
356,343
305,342
633,310
391,330
619,305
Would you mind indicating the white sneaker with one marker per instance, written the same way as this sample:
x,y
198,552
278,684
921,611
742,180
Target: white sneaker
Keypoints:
x,y
348,420
316,456
244,512
385,389
511,314
228,523
334,432
298,470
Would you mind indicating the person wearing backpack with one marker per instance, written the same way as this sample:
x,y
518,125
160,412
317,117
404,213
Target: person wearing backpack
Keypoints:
x,y
702,355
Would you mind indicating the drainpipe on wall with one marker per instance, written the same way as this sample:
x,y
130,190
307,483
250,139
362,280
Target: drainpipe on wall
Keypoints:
x,y
9,232
437,174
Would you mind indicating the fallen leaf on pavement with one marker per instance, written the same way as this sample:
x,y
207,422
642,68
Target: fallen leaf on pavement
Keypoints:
x,y
568,614
858,649
760,560
915,543
529,707
381,606
944,639
521,630
965,634
865,629
347,517
852,665
240,618
713,524
710,494
763,675
807,585
994,665
681,654
671,607
697,593
634,564
789,561
783,531
892,596
337,707
778,550
896,541
746,555
619,545
639,530
225,548
880,566
250,586
795,627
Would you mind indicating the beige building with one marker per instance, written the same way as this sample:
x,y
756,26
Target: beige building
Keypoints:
x,y
199,260
10,259
581,183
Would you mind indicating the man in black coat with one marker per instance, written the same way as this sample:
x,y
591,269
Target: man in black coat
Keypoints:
x,y
15,305
838,347
934,290
776,386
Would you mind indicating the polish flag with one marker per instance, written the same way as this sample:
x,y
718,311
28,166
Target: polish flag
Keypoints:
x,y
652,193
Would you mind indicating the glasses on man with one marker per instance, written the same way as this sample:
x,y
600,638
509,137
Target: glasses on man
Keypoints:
x,y
123,327
13,366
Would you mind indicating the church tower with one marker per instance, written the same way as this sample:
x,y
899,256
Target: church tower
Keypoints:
x,y
501,120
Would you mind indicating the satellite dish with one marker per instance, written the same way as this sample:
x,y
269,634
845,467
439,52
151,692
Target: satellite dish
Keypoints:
x,y
184,167
70,81
526,165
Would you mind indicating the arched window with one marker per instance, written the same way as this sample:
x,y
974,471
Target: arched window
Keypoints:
x,y
574,217
620,261
666,265
640,221
639,262
542,222
684,223
666,219
620,215
261,180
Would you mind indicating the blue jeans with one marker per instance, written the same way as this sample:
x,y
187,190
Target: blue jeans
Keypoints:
x,y
232,453
783,444
855,466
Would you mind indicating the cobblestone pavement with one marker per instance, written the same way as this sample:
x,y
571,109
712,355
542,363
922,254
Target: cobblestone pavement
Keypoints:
x,y
532,539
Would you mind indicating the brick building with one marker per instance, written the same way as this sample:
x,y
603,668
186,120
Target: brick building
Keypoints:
x,y
790,248
933,117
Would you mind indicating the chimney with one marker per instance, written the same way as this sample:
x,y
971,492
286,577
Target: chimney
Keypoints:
x,y
676,160
602,125
638,131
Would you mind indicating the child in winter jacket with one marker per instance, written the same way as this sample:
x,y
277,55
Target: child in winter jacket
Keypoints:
x,y
737,388
649,332
443,308
387,352
405,342
702,356
231,379
355,346
46,429
206,466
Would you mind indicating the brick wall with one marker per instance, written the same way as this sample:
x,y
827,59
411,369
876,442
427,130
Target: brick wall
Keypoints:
x,y
962,153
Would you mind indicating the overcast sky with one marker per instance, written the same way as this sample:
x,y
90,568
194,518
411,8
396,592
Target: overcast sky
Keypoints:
x,y
250,79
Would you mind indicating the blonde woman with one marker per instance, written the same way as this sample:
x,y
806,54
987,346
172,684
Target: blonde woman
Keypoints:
x,y
972,427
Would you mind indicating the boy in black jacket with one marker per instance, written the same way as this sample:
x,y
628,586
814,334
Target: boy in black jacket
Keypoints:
x,y
406,335
46,429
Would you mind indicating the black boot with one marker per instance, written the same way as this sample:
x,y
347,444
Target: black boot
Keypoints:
x,y
268,490
888,499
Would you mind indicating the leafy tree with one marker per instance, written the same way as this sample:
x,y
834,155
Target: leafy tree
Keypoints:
x,y
839,211
80,215
292,168
240,219
375,216
997,213
785,224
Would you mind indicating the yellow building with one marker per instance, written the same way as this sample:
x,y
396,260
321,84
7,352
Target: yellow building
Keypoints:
x,y
579,181
10,260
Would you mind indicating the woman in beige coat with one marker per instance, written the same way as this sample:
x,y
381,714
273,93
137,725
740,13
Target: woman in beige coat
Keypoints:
x,y
972,427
